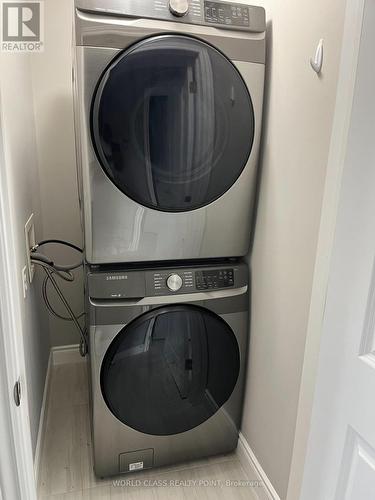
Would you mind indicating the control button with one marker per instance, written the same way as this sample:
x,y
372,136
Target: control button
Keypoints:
x,y
174,282
179,7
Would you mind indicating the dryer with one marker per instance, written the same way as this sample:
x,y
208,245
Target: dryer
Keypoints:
x,y
168,357
168,107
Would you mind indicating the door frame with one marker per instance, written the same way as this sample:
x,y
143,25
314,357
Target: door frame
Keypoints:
x,y
16,460
335,167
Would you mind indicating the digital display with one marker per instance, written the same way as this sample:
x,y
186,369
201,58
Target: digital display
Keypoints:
x,y
229,14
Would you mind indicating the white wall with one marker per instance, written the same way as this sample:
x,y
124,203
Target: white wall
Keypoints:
x,y
52,72
298,120
23,188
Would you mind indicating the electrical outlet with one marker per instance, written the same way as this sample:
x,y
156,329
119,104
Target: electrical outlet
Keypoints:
x,y
24,281
30,242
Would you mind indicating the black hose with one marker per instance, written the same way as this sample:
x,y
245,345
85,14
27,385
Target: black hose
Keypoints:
x,y
82,332
42,258
61,242
49,305
65,273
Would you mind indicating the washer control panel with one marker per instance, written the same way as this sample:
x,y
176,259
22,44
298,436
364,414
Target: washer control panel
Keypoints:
x,y
168,281
214,278
174,282
190,281
230,14
107,284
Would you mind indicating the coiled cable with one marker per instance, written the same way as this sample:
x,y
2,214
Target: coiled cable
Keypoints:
x,y
65,273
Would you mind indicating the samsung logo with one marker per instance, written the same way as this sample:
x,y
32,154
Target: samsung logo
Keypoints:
x,y
117,277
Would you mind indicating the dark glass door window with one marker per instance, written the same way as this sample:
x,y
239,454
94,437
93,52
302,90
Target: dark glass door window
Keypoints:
x,y
170,369
172,123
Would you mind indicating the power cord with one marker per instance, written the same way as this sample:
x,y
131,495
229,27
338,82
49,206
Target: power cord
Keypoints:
x,y
65,273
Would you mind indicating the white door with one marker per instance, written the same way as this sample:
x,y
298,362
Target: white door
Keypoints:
x,y
340,461
17,480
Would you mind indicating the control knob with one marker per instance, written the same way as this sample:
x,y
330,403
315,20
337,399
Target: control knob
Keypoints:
x,y
179,7
174,282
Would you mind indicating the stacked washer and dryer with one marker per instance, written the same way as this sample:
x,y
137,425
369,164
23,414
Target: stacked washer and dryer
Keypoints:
x,y
168,107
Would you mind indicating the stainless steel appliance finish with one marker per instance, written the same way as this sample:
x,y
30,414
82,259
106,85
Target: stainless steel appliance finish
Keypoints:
x,y
167,167
167,368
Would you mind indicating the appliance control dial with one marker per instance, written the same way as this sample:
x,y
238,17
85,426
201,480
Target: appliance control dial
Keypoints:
x,y
174,282
179,7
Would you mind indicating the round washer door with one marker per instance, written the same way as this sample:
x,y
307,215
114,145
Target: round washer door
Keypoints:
x,y
170,369
172,123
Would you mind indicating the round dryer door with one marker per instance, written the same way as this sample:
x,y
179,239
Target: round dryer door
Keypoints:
x,y
170,369
172,123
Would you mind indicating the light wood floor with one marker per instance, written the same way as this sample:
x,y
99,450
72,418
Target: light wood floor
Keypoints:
x,y
66,469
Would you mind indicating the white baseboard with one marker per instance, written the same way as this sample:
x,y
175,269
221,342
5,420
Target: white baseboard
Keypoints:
x,y
66,354
42,420
255,471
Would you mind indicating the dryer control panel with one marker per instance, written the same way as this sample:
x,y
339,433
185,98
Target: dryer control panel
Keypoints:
x,y
234,16
129,283
228,14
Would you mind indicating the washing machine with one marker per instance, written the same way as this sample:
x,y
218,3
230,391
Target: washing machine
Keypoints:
x,y
168,358
168,110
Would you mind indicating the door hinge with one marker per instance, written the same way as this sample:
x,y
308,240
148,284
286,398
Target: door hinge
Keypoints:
x,y
17,393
